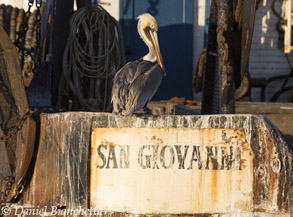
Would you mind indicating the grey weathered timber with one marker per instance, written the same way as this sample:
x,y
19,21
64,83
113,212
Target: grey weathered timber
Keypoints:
x,y
281,114
61,175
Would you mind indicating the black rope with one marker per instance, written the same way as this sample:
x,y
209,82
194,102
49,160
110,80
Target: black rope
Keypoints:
x,y
93,54
275,12
283,87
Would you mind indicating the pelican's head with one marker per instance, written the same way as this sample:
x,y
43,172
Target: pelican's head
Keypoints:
x,y
147,28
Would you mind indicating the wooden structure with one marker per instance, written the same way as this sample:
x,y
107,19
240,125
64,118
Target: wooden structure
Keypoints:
x,y
281,114
71,173
17,129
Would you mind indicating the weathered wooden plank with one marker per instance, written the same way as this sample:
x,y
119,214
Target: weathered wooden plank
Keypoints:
x,y
60,175
281,114
252,107
264,108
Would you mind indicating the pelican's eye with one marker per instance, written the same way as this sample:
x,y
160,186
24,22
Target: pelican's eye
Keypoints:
x,y
152,28
149,28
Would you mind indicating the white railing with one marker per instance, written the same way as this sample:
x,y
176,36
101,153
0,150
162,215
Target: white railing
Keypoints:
x,y
288,29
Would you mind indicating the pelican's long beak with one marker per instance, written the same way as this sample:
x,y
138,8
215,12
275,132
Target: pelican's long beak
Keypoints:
x,y
155,43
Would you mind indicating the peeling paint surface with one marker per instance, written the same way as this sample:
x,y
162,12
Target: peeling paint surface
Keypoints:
x,y
171,170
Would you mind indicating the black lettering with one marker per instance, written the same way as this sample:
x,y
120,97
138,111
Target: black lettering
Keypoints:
x,y
195,157
226,158
102,156
155,156
181,160
211,157
124,156
147,163
112,156
171,159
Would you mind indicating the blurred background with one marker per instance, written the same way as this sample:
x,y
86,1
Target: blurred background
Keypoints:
x,y
183,30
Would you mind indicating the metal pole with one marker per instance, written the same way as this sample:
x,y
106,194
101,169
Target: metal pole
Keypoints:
x,y
225,50
210,100
219,90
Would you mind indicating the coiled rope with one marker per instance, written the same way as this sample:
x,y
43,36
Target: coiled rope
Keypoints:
x,y
93,54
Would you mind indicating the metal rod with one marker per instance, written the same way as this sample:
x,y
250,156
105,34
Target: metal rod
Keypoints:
x,y
219,88
210,99
225,50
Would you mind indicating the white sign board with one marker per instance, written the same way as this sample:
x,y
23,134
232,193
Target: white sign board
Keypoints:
x,y
171,170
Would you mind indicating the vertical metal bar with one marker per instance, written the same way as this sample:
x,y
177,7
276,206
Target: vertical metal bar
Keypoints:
x,y
219,88
225,50
210,100
62,13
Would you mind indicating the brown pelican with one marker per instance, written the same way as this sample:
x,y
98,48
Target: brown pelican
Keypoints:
x,y
136,83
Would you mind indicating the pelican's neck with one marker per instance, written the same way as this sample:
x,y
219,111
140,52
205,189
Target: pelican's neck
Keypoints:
x,y
151,56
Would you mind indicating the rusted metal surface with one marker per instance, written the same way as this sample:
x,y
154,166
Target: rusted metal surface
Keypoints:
x,y
218,94
198,75
223,45
62,177
231,24
242,90
239,11
225,50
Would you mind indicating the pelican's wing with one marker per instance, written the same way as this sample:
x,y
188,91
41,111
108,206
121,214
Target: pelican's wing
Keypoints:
x,y
143,88
134,85
123,78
